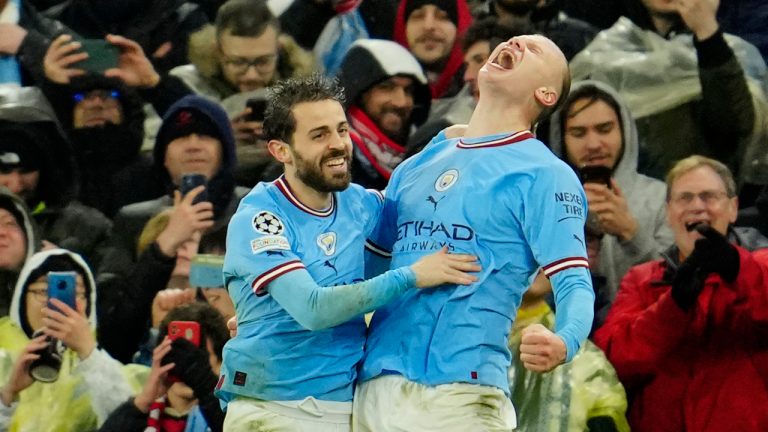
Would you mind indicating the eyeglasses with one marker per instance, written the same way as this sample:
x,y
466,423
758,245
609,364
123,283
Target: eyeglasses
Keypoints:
x,y
709,197
41,295
263,64
104,95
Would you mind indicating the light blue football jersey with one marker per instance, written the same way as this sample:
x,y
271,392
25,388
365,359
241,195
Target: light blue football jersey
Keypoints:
x,y
273,233
511,202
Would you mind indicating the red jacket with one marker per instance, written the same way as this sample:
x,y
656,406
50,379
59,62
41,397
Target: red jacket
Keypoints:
x,y
704,370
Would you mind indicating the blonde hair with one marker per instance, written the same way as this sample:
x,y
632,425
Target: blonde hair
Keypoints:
x,y
690,163
152,230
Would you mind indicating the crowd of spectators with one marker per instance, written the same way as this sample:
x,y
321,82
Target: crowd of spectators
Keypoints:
x,y
107,105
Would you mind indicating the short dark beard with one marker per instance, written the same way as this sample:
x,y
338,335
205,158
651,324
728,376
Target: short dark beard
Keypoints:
x,y
401,135
313,176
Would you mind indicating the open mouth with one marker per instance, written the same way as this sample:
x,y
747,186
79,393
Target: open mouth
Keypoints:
x,y
336,163
690,226
506,59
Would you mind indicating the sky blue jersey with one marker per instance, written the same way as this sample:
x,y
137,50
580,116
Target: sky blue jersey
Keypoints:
x,y
272,234
508,200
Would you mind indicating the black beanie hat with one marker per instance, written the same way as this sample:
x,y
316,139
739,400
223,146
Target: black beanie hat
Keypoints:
x,y
186,122
18,150
449,6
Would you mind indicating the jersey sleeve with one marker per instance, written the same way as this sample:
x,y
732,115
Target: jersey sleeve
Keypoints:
x,y
260,247
316,307
554,216
555,213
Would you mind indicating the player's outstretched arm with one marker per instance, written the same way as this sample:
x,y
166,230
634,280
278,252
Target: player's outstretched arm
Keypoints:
x,y
316,307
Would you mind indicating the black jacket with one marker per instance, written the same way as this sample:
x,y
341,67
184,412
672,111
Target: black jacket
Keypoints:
x,y
61,218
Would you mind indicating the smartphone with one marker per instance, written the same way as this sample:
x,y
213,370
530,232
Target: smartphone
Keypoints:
x,y
191,181
596,174
62,286
258,106
189,330
102,55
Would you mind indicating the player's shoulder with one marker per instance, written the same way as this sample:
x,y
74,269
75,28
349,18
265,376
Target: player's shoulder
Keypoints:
x,y
262,193
262,199
541,157
357,192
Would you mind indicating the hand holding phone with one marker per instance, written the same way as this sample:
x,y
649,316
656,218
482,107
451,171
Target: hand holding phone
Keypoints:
x,y
189,330
258,107
596,174
62,286
102,56
191,181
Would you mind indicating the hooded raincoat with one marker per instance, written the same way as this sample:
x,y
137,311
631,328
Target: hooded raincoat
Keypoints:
x,y
86,390
16,206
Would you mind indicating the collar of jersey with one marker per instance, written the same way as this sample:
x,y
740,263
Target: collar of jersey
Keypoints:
x,y
285,188
494,140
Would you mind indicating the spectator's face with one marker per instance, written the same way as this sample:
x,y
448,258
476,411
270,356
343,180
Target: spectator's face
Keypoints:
x,y
37,298
96,108
474,59
389,104
430,34
322,148
23,184
593,135
220,299
13,242
525,68
699,196
193,154
249,63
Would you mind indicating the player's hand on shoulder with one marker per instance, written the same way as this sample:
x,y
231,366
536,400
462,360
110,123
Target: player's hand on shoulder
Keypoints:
x,y
541,350
445,268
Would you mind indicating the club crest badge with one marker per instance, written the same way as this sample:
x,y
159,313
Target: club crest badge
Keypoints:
x,y
327,242
267,223
446,180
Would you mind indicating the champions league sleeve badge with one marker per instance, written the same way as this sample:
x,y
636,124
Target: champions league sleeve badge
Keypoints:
x,y
267,223
271,227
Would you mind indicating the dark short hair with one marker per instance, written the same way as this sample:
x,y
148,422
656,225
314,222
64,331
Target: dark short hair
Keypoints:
x,y
214,242
279,122
492,30
593,94
213,327
245,18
